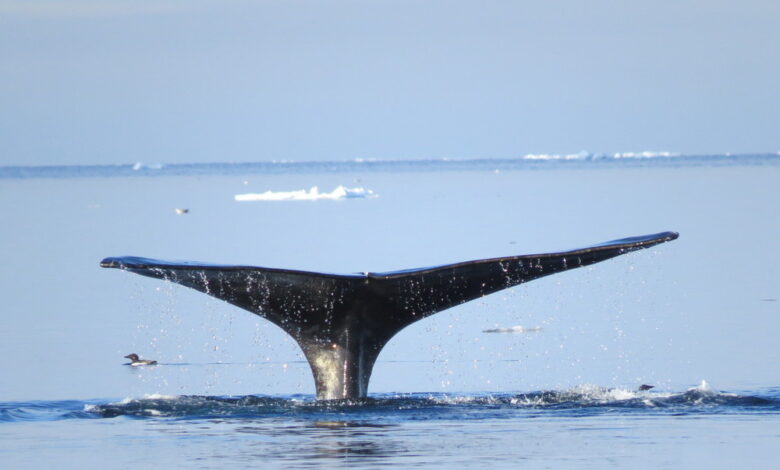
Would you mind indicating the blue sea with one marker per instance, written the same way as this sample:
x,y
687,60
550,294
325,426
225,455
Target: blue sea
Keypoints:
x,y
543,375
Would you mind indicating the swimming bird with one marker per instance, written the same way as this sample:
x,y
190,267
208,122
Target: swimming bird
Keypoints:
x,y
136,361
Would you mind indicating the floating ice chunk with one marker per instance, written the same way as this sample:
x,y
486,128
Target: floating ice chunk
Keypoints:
x,y
545,156
585,155
313,194
514,329
645,154
147,166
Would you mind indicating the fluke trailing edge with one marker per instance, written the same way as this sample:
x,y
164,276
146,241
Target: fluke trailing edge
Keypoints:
x,y
342,322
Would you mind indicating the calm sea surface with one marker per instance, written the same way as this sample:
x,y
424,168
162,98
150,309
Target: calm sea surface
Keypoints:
x,y
698,317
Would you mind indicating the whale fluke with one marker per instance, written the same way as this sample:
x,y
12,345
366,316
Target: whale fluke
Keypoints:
x,y
342,322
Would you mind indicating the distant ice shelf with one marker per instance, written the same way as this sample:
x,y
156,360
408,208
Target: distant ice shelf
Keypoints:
x,y
341,192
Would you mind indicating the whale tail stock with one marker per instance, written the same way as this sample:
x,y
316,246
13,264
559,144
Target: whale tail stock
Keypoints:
x,y
342,322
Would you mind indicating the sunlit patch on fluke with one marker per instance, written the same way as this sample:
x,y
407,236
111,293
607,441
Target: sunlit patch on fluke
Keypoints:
x,y
342,322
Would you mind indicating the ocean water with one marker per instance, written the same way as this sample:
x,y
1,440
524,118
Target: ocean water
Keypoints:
x,y
696,317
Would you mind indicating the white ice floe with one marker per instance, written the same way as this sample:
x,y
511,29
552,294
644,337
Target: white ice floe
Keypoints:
x,y
147,166
514,329
584,155
313,194
645,154
545,156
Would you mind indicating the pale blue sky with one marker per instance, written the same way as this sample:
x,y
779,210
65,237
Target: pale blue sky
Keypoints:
x,y
85,82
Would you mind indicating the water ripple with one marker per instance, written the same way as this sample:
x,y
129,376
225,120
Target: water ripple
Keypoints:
x,y
389,409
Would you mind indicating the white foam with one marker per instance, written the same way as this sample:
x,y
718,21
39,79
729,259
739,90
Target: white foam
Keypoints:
x,y
606,395
148,396
703,387
159,396
341,192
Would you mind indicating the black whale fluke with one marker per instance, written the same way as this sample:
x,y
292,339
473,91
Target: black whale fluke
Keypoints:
x,y
342,322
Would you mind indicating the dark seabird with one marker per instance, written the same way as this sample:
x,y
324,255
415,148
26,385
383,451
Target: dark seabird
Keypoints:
x,y
645,387
136,361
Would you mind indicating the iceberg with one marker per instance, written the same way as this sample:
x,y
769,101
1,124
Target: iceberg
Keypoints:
x,y
313,194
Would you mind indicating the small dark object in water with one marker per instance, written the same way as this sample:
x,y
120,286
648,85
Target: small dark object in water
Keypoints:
x,y
645,387
136,361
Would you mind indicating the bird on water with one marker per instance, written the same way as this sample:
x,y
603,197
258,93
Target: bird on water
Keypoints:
x,y
136,361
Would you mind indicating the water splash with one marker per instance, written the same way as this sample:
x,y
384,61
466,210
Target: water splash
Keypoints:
x,y
582,400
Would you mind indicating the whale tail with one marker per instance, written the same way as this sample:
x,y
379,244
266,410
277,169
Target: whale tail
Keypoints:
x,y
342,322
